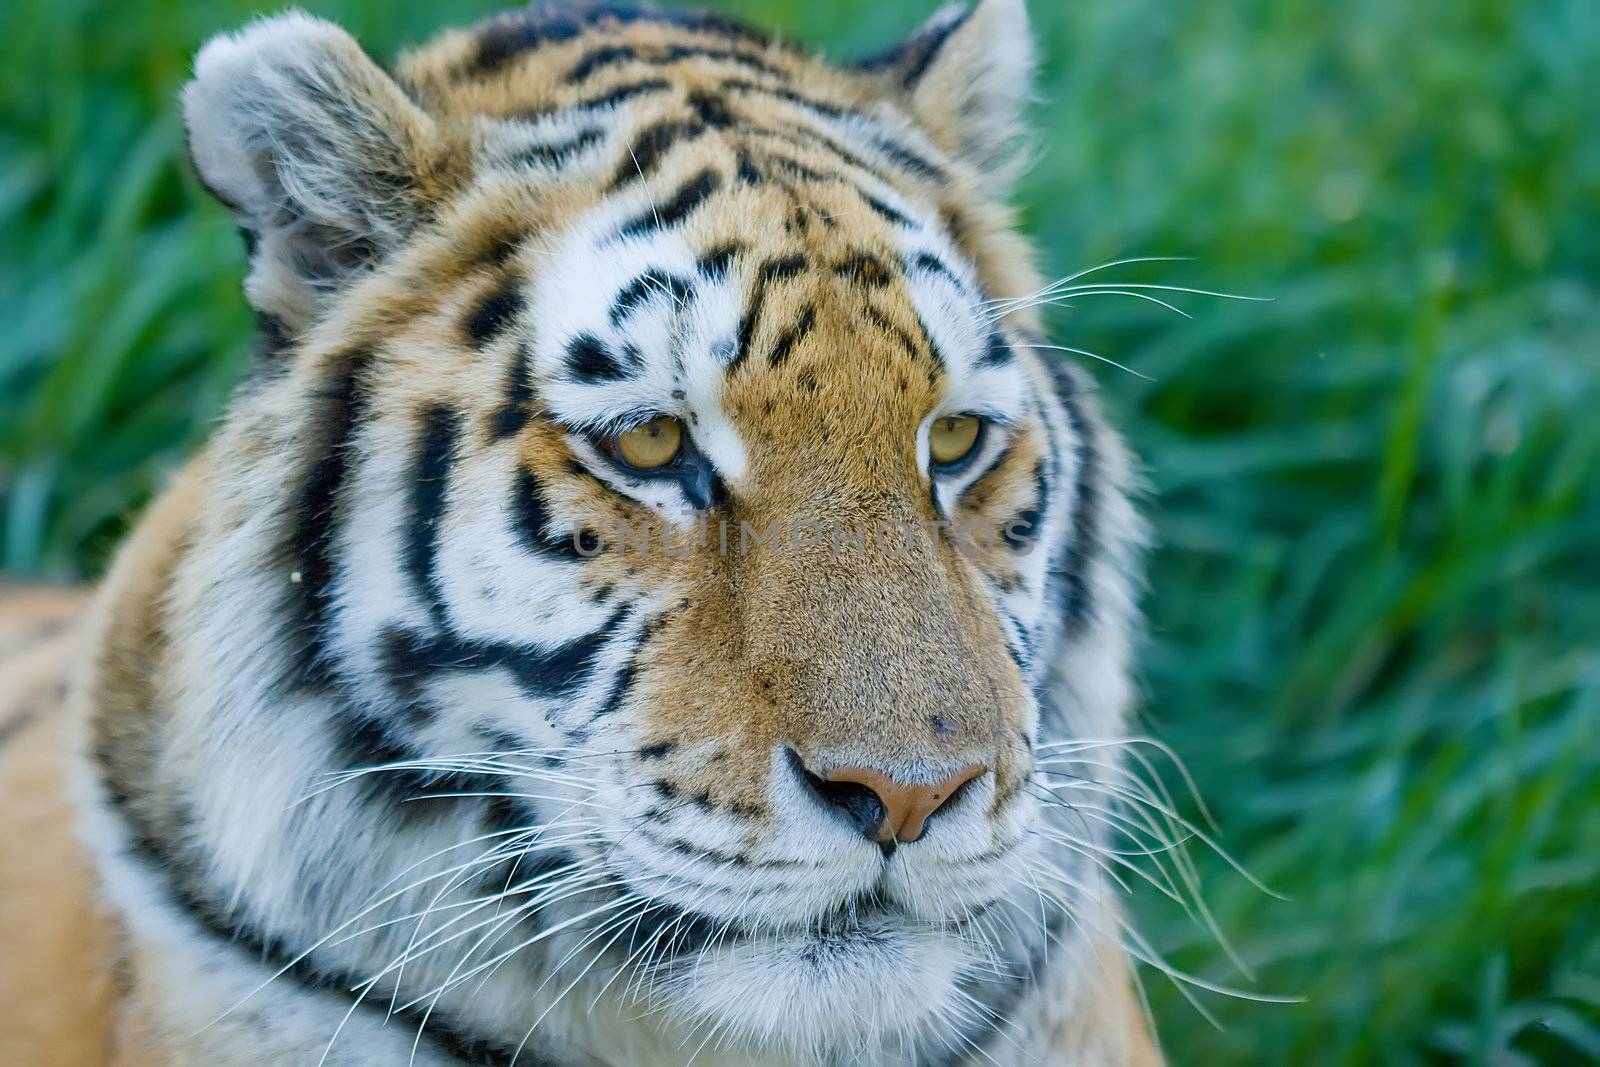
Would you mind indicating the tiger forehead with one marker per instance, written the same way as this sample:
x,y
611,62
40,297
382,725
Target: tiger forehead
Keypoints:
x,y
533,61
729,228
541,92
808,322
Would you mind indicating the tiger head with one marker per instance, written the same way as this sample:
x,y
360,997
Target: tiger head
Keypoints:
x,y
653,476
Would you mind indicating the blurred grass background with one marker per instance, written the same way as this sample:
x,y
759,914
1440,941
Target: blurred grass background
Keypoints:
x,y
1375,602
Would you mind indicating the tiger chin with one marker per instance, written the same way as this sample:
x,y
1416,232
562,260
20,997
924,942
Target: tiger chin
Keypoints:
x,y
650,603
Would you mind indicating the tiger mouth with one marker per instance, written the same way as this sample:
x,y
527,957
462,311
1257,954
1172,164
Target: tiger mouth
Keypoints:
x,y
673,932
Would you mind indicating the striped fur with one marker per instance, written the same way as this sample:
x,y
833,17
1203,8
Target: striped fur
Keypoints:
x,y
393,746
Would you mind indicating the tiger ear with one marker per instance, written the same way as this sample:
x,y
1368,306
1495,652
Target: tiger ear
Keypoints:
x,y
967,74
325,162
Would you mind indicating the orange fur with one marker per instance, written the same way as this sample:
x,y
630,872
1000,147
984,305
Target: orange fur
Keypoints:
x,y
56,940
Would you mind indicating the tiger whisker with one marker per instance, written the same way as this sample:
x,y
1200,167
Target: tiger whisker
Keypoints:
x,y
362,990
1135,747
536,844
1129,261
1191,898
1142,950
543,934
1100,291
1134,821
451,979
1091,355
326,938
484,900
1168,813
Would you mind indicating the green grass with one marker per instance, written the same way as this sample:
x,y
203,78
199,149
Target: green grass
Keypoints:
x,y
1375,602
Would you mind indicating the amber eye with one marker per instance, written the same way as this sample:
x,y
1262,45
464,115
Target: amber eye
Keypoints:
x,y
952,438
653,445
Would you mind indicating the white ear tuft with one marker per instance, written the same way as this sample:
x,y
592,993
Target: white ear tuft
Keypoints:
x,y
968,74
320,154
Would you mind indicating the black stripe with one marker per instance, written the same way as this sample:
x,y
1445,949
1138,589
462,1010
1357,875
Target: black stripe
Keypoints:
x,y
930,47
747,328
781,268
915,56
749,173
616,55
494,313
897,152
999,353
672,932
932,264
933,346
715,263
799,170
532,525
362,743
646,287
541,673
894,331
696,21
395,652
1072,571
885,210
341,407
772,270
609,98
1021,653
554,155
712,110
865,269
789,96
804,137
621,688
513,34
589,360
625,92
515,413
1022,532
908,159
496,248
651,146
503,39
551,672
784,345
430,484
994,464
675,212
622,685
722,55
599,59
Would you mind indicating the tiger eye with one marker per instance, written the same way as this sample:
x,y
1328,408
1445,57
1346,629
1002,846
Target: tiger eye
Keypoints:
x,y
653,445
953,437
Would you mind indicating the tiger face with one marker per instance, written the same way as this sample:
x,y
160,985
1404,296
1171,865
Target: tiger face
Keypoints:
x,y
644,482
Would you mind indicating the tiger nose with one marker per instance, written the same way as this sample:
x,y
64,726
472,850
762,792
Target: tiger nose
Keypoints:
x,y
884,809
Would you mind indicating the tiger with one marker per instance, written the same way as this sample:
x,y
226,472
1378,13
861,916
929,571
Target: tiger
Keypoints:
x,y
391,735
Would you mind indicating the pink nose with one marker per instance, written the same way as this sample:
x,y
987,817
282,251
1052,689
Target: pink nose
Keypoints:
x,y
904,807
